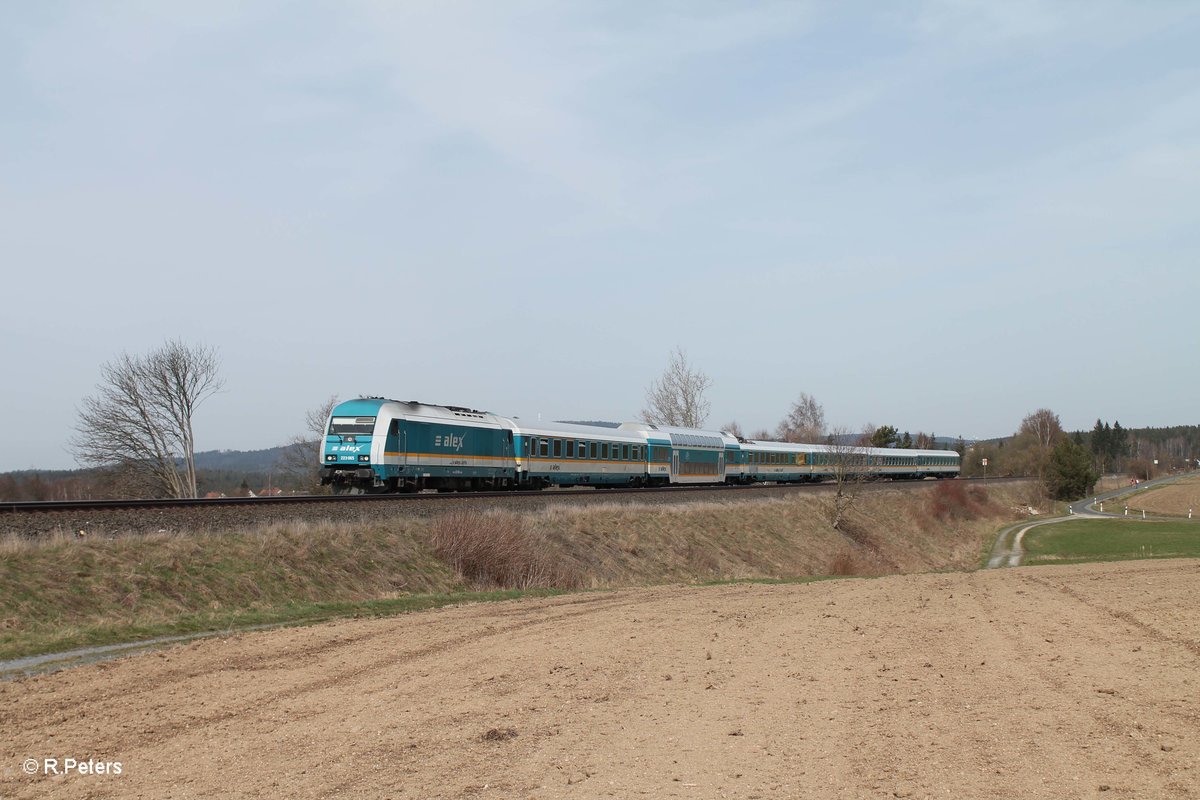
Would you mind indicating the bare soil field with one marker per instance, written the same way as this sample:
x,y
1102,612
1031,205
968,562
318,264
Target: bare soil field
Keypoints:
x,y
1055,682
1175,498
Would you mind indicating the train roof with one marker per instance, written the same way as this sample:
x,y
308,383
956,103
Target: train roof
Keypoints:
x,y
363,406
683,437
798,447
574,430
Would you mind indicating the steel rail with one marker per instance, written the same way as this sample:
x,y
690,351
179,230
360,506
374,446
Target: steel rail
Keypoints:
x,y
47,506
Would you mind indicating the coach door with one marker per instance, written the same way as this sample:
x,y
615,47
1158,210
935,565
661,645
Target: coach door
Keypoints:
x,y
674,464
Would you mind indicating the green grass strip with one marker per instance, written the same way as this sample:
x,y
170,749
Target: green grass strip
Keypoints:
x,y
19,644
1110,540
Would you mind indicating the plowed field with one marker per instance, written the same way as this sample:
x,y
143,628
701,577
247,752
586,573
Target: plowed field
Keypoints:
x,y
1052,682
1179,498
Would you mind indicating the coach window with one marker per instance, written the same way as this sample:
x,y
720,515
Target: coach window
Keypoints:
x,y
558,448
604,450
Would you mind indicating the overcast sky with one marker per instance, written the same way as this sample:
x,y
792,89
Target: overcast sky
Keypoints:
x,y
937,215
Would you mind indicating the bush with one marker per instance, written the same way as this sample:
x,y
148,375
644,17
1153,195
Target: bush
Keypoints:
x,y
843,564
497,550
955,500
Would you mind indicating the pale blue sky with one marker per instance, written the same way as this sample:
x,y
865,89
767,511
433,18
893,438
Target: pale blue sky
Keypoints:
x,y
937,215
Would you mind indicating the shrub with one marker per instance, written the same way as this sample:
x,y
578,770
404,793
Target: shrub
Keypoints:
x,y
956,500
844,563
497,550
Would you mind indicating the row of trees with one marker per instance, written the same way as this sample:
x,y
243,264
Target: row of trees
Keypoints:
x,y
677,398
1067,467
1108,447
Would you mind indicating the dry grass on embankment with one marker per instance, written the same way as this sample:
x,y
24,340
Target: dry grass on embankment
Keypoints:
x,y
61,591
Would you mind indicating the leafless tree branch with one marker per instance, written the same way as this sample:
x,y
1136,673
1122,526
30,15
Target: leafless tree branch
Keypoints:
x,y
140,419
677,398
302,455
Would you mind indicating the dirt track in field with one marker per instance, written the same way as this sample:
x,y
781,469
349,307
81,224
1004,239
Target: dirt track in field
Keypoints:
x,y
1050,682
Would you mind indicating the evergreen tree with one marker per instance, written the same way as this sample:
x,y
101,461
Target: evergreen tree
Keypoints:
x,y
907,441
1070,474
884,436
1099,442
1118,442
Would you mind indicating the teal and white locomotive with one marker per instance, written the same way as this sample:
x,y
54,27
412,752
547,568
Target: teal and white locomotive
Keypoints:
x,y
373,445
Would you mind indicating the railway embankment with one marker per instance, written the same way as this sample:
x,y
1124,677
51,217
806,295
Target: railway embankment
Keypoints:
x,y
64,591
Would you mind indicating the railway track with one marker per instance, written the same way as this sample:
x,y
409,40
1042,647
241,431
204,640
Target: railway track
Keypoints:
x,y
110,517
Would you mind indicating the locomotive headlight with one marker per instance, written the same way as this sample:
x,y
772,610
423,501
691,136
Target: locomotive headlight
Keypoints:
x,y
331,458
364,458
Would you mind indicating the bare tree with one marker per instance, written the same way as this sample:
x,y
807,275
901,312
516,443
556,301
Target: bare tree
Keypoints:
x,y
848,463
677,398
1044,426
1035,441
733,429
140,420
301,457
804,423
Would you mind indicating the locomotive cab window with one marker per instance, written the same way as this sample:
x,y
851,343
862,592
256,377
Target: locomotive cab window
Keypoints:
x,y
351,425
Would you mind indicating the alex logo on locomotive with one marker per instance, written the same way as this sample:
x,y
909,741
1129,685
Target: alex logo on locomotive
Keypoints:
x,y
450,442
